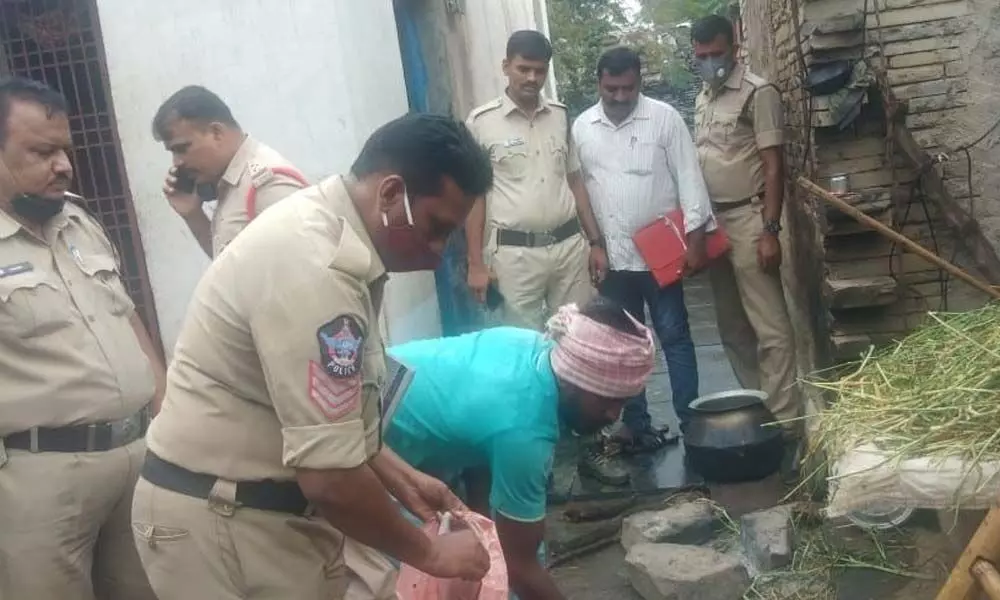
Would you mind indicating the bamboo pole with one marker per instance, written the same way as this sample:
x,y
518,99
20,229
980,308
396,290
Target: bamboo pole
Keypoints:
x,y
984,545
897,237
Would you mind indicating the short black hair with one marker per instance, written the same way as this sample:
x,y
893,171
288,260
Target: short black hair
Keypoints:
x,y
617,61
28,90
706,29
530,45
192,103
610,313
423,149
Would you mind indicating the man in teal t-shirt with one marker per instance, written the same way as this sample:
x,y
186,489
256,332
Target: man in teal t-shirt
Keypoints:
x,y
487,406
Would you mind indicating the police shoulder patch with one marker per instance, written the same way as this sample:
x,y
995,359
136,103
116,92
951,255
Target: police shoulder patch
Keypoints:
x,y
341,348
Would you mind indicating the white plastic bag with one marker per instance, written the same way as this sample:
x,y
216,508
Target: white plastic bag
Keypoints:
x,y
867,477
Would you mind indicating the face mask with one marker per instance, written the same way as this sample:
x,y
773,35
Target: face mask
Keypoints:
x,y
714,70
36,209
401,246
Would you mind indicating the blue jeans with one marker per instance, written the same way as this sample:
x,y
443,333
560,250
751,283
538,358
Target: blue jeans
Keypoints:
x,y
634,290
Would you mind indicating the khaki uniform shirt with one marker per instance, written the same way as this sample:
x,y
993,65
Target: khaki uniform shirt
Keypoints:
x,y
68,353
732,126
250,168
531,157
280,359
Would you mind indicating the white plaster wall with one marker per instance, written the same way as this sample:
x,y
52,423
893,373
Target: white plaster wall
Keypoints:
x,y
311,78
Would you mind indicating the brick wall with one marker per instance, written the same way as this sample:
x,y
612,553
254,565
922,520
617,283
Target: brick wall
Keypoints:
x,y
868,290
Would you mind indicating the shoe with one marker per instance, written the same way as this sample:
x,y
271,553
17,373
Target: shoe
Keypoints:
x,y
601,465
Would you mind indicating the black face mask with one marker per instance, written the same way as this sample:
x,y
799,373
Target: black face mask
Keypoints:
x,y
37,209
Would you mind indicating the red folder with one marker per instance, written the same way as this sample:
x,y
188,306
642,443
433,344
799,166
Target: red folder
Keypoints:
x,y
663,245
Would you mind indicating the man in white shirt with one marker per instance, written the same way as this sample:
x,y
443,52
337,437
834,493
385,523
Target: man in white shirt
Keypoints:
x,y
639,163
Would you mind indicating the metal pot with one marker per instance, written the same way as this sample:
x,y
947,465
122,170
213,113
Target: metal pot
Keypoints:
x,y
727,438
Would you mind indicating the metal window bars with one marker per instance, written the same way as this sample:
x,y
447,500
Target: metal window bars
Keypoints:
x,y
59,42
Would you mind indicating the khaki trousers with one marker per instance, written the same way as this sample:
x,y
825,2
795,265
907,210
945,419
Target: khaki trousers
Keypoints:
x,y
753,319
65,528
195,548
534,282
372,575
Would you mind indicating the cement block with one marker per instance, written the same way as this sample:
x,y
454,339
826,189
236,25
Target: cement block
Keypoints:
x,y
766,537
675,572
688,523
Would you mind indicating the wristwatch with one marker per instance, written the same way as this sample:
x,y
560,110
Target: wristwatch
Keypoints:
x,y
772,227
597,242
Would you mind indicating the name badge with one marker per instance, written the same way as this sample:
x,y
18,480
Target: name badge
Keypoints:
x,y
512,142
16,269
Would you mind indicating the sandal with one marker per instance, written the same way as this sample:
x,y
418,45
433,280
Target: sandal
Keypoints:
x,y
650,440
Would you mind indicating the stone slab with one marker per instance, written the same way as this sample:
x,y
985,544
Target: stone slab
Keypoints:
x,y
687,523
676,572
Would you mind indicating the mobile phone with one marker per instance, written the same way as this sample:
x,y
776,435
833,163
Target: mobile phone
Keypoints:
x,y
494,299
184,183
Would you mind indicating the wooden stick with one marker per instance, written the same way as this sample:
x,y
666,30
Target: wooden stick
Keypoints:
x,y
897,237
985,544
988,578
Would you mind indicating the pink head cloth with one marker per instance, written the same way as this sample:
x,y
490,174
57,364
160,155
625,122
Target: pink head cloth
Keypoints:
x,y
599,358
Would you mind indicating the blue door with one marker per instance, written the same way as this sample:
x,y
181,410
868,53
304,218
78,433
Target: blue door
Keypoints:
x,y
460,313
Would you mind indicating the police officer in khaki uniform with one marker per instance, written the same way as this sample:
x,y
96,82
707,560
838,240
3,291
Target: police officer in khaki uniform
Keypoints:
x,y
740,132
268,450
537,222
78,374
214,158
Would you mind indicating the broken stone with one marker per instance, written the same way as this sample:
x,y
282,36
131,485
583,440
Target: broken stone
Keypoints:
x,y
688,523
676,572
766,537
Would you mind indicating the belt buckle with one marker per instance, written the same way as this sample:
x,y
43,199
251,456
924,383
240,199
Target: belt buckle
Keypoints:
x,y
123,431
543,239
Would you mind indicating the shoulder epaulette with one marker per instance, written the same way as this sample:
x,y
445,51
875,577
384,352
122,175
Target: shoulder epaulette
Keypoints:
x,y
491,105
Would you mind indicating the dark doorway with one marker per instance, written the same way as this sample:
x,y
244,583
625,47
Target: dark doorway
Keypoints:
x,y
59,42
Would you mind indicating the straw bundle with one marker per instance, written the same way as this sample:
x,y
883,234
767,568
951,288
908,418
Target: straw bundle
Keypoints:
x,y
935,393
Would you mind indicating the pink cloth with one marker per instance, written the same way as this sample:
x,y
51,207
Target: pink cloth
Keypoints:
x,y
416,585
598,358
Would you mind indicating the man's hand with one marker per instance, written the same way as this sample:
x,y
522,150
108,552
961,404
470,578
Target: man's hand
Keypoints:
x,y
479,280
768,252
456,555
184,203
425,496
697,254
598,263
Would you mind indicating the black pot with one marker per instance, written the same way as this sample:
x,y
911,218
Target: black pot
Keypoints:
x,y
727,439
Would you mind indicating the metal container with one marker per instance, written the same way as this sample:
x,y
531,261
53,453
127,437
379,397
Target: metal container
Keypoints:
x,y
839,184
731,437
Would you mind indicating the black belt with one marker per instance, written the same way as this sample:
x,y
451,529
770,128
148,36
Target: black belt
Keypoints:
x,y
95,437
528,239
721,207
275,496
